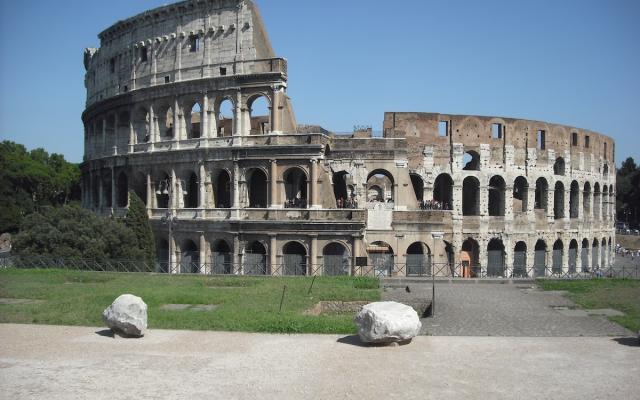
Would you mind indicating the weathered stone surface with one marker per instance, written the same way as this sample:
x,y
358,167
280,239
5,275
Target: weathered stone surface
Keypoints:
x,y
127,315
387,322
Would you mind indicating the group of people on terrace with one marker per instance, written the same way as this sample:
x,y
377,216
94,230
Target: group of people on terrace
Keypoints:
x,y
434,205
348,203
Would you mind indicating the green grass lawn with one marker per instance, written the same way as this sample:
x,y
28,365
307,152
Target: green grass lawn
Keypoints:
x,y
245,303
620,294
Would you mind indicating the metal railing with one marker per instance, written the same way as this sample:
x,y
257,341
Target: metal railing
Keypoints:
x,y
258,268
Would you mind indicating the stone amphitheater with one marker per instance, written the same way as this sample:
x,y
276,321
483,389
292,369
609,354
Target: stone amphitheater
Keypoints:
x,y
187,106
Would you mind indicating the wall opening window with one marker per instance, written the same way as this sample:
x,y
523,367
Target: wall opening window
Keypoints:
x,y
542,140
112,65
574,139
223,71
605,150
496,131
144,55
586,142
167,79
443,128
126,88
194,43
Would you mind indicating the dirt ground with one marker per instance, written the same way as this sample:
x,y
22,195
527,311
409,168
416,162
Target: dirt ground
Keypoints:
x,y
55,362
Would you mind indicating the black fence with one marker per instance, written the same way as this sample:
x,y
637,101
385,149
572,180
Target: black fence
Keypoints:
x,y
260,267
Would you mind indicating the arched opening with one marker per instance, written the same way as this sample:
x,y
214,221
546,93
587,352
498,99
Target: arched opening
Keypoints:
x,y
471,161
594,254
418,260
194,121
471,196
258,189
165,122
383,180
596,201
496,196
294,259
520,260
295,188
141,125
106,190
584,255
255,259
225,117
558,254
190,258
110,132
542,188
540,258
558,201
122,130
122,187
558,166
605,170
222,258
191,191
586,201
574,199
418,187
223,190
470,259
495,258
345,198
520,195
381,257
162,256
603,254
140,187
335,260
443,191
573,256
260,115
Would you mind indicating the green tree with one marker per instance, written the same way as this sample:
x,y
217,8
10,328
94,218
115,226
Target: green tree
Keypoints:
x,y
628,192
137,220
30,180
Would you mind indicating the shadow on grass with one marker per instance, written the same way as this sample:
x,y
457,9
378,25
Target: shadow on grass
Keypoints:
x,y
628,341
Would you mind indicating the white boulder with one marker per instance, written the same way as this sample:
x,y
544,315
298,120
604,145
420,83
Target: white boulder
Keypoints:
x,y
387,322
127,315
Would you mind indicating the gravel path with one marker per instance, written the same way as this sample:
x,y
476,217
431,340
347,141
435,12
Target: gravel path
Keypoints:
x,y
52,362
491,309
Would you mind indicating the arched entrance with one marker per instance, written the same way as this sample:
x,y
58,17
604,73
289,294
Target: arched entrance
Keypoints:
x,y
162,256
558,254
382,258
584,255
443,191
335,260
573,256
496,196
190,258
385,183
295,188
470,196
222,258
258,189
255,259
294,257
495,258
418,260
470,259
520,260
540,259
223,190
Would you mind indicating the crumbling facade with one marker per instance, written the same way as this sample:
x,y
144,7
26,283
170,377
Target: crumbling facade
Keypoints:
x,y
239,193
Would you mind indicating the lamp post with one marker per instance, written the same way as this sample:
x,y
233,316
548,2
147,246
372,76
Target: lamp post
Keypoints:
x,y
436,236
166,187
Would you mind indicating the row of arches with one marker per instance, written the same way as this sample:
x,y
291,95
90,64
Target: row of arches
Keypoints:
x,y
190,117
559,258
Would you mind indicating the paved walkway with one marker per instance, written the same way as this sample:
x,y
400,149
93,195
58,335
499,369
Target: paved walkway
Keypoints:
x,y
493,309
52,362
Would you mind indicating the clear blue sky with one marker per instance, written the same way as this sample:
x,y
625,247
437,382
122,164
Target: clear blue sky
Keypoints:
x,y
572,62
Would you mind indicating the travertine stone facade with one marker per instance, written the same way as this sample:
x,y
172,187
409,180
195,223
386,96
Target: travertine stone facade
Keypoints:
x,y
240,193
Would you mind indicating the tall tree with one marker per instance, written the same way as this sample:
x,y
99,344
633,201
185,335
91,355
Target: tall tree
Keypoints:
x,y
137,220
628,192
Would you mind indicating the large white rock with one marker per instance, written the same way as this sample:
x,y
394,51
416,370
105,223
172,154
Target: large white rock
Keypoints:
x,y
386,322
127,315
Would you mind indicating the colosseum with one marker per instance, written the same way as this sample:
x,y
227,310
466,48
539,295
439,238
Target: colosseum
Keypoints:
x,y
170,116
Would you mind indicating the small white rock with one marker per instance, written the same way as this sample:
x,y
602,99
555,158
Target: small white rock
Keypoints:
x,y
127,315
387,322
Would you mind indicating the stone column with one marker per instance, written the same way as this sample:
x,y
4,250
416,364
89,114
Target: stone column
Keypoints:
x,y
152,126
508,202
201,186
203,254
550,204
314,184
175,188
313,253
579,258
150,202
104,136
273,255
237,254
276,117
483,256
531,202
589,261
484,200
565,255
457,199
113,188
566,205
173,266
273,184
236,185
116,122
237,120
357,242
132,134
204,116
100,192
